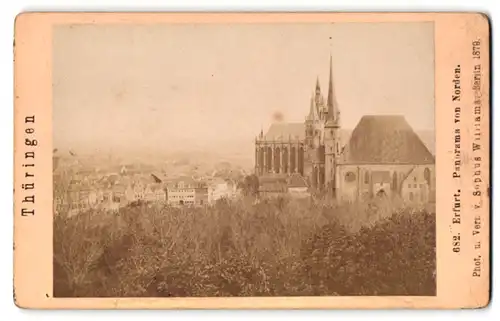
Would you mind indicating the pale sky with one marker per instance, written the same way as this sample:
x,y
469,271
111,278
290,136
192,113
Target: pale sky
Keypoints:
x,y
168,85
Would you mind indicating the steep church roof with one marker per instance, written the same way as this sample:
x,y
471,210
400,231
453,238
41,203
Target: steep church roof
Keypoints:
x,y
387,140
297,130
285,130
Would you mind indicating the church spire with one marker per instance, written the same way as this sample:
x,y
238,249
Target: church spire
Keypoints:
x,y
313,112
331,103
318,88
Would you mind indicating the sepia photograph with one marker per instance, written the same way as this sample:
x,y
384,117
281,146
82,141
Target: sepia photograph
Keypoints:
x,y
222,160
252,161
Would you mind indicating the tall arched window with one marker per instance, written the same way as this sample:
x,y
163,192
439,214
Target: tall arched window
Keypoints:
x,y
285,160
261,161
300,165
277,160
269,161
367,177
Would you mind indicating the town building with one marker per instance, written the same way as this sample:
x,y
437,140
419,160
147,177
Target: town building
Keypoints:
x,y
220,188
382,156
272,186
155,193
82,196
187,191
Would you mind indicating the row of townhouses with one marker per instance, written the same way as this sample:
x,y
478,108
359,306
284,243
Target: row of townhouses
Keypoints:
x,y
118,190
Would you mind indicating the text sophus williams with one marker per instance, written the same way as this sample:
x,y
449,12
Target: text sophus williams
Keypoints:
x,y
28,165
475,150
478,179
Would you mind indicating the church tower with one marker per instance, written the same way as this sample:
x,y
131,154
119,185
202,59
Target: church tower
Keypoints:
x,y
311,122
319,101
332,138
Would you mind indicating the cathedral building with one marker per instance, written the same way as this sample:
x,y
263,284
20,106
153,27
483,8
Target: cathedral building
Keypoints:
x,y
383,155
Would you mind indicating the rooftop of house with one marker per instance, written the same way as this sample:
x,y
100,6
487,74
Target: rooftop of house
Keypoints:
x,y
275,187
156,187
285,131
271,178
296,131
296,181
185,182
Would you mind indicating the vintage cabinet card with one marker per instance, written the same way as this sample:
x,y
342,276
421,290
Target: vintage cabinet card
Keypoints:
x,y
252,160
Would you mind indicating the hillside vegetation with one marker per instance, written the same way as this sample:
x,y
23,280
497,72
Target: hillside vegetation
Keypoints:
x,y
274,248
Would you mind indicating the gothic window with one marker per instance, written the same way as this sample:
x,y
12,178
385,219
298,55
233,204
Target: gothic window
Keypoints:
x,y
285,160
261,160
350,177
293,159
367,177
277,160
269,161
411,196
300,161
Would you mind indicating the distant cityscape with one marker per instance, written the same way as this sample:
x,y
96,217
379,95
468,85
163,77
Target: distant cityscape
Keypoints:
x,y
83,182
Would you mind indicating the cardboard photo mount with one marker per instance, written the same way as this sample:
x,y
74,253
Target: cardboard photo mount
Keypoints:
x,y
462,117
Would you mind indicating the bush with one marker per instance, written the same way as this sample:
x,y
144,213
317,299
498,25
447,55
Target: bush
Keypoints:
x,y
241,248
396,256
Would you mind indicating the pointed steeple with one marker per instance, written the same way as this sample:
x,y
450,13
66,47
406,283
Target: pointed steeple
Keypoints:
x,y
333,112
330,92
313,111
318,88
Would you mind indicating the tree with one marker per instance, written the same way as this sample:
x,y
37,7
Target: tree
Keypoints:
x,y
250,185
